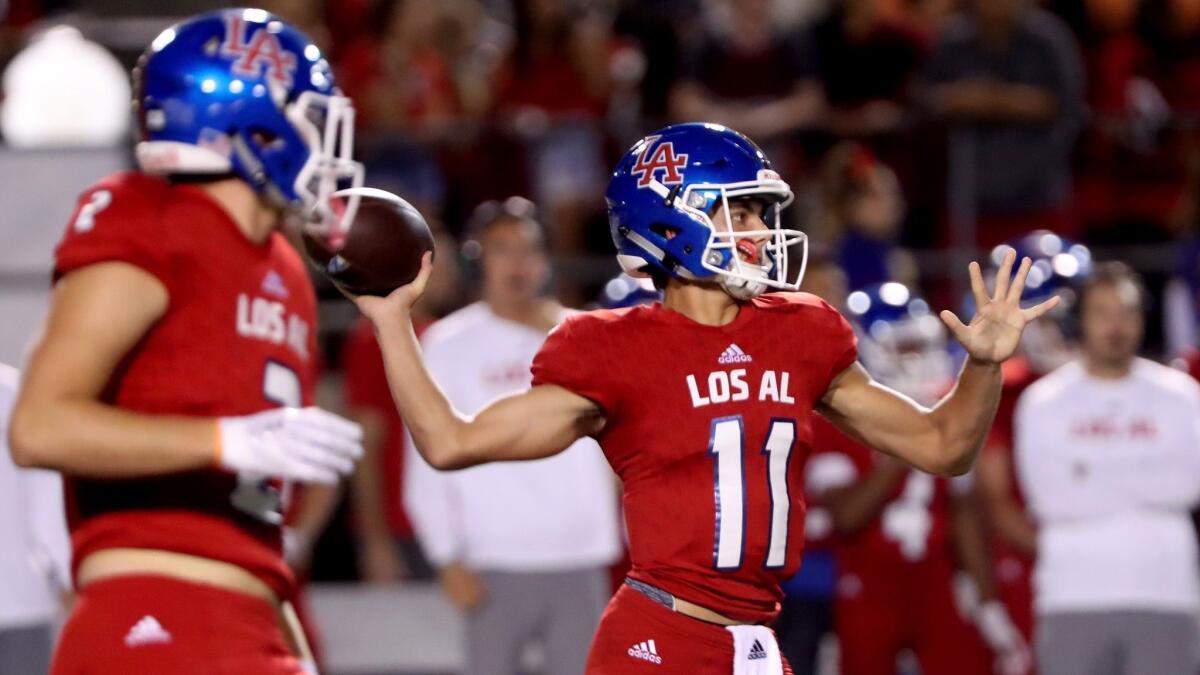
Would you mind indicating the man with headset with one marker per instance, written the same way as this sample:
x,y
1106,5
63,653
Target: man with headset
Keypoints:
x,y
521,548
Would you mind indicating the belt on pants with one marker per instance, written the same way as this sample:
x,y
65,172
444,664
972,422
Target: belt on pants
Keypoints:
x,y
681,606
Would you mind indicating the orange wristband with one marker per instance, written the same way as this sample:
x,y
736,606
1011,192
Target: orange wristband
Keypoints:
x,y
217,443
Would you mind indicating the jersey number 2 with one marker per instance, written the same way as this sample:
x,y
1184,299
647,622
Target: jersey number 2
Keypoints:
x,y
725,444
255,494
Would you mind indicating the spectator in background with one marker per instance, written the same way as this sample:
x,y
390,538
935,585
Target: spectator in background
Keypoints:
x,y
34,560
1006,75
521,547
745,75
387,548
1108,455
306,15
552,93
869,51
1181,296
859,212
416,80
1128,160
1169,29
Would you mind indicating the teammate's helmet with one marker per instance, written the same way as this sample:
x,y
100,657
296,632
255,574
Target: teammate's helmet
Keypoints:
x,y
240,92
901,343
665,190
626,291
1059,266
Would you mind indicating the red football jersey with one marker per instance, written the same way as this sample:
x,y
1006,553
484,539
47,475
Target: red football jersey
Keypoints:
x,y
913,527
709,428
237,338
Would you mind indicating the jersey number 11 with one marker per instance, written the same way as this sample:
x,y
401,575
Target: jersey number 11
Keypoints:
x,y
725,444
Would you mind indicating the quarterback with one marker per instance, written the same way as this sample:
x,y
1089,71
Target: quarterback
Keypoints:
x,y
703,404
168,383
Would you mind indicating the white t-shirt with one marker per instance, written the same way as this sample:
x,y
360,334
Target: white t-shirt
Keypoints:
x,y
33,530
552,514
1110,470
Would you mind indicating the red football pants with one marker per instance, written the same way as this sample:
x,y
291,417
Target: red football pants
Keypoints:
x,y
682,645
152,625
878,618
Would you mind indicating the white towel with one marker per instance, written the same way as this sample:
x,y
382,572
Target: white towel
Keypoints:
x,y
755,651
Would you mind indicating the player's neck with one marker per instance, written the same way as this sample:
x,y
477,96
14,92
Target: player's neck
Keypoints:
x,y
539,313
1107,369
703,303
255,220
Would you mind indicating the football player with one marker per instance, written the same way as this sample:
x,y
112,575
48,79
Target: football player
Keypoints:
x,y
902,535
703,404
1060,265
169,381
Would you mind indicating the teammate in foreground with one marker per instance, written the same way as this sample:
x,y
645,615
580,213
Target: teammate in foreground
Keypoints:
x,y
179,347
703,404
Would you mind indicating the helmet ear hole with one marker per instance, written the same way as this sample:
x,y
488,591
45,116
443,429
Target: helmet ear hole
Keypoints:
x,y
665,231
265,139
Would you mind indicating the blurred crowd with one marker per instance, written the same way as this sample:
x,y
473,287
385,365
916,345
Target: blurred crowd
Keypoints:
x,y
904,124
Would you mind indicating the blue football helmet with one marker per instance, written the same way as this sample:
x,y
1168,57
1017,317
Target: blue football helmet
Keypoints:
x,y
1059,266
662,197
901,343
238,91
626,291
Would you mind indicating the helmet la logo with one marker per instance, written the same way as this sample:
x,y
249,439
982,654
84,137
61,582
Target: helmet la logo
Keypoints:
x,y
262,51
663,159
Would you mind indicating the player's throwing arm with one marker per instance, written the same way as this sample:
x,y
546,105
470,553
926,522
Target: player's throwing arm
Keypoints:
x,y
533,424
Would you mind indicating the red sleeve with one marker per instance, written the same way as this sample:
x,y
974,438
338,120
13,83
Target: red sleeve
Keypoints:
x,y
843,343
366,382
573,358
115,221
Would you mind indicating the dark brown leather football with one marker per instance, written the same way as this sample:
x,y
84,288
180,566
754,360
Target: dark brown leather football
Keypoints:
x,y
382,249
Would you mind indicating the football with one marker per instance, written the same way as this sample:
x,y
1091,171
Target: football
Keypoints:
x,y
382,248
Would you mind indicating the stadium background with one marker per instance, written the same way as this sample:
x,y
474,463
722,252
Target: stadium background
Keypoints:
x,y
461,101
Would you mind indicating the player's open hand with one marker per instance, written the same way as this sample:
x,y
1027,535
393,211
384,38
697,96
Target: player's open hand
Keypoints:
x,y
995,330
398,303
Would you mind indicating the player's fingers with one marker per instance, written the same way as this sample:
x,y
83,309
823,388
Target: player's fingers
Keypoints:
x,y
418,284
1018,284
1040,309
329,443
319,458
978,288
314,417
1004,274
953,323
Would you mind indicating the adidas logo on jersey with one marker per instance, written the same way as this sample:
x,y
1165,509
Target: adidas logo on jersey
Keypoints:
x,y
733,354
646,651
273,284
147,631
757,652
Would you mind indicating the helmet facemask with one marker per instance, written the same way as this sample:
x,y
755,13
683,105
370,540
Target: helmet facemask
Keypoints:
x,y
326,123
744,279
